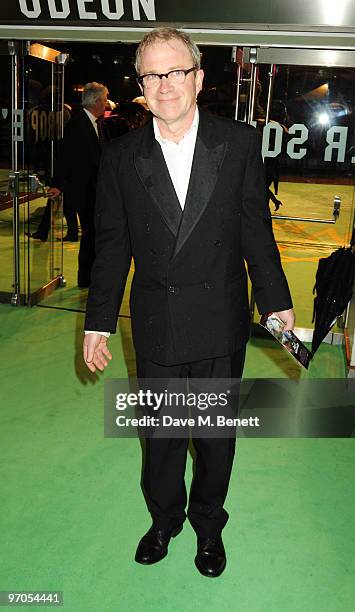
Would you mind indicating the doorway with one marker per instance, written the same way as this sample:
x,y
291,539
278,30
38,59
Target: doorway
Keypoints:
x,y
32,121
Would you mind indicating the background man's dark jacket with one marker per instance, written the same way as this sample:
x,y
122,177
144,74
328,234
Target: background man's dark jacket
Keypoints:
x,y
78,163
189,296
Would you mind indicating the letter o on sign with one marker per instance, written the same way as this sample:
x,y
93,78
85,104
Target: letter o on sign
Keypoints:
x,y
33,12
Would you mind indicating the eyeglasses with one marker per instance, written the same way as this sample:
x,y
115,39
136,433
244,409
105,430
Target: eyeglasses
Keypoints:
x,y
149,81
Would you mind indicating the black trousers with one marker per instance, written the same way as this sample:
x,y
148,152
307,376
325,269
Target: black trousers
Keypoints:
x,y
164,460
86,255
70,216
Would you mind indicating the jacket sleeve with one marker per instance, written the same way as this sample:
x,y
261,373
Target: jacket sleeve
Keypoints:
x,y
112,248
66,159
269,283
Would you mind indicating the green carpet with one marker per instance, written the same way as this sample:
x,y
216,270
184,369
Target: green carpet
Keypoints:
x,y
72,510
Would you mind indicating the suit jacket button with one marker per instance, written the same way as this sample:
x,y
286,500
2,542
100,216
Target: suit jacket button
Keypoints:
x,y
217,243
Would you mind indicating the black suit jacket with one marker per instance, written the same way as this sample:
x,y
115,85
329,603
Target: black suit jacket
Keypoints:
x,y
78,163
189,296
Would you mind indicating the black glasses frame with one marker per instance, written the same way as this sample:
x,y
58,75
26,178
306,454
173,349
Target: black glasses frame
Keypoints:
x,y
166,74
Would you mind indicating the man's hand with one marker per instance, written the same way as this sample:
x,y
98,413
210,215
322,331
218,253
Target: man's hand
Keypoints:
x,y
96,352
53,192
288,318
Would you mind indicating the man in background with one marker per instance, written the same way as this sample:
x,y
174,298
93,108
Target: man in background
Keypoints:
x,y
76,172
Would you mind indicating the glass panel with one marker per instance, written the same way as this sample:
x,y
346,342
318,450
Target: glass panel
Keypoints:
x,y
30,126
309,151
6,240
42,224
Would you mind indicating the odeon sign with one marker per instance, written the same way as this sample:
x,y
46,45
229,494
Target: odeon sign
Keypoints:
x,y
335,140
99,12
110,9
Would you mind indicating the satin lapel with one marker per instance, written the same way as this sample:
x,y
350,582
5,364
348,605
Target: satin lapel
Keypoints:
x,y
204,173
155,177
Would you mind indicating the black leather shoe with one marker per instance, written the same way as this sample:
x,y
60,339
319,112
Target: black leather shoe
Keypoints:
x,y
36,236
68,239
154,545
211,557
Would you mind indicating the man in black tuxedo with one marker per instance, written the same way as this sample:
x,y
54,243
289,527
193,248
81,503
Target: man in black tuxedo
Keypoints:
x,y
185,196
76,173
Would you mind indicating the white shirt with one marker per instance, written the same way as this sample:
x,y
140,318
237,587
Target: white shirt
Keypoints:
x,y
178,158
93,120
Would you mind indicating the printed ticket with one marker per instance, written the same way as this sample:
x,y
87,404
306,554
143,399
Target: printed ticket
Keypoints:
x,y
287,339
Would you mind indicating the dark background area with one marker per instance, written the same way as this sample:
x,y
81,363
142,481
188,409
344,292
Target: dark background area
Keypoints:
x,y
111,63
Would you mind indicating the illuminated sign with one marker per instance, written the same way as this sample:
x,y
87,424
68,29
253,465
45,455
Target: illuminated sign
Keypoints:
x,y
100,12
88,9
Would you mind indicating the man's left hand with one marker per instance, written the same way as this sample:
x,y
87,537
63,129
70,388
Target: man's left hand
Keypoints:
x,y
288,318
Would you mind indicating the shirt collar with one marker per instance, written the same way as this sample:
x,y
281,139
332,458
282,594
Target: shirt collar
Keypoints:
x,y
90,115
192,128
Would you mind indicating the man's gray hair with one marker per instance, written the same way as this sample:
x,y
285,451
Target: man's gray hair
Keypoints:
x,y
91,93
164,35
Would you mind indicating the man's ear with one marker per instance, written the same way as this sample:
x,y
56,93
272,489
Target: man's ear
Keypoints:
x,y
141,88
199,80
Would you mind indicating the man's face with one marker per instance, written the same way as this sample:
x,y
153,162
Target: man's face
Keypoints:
x,y
169,101
101,104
